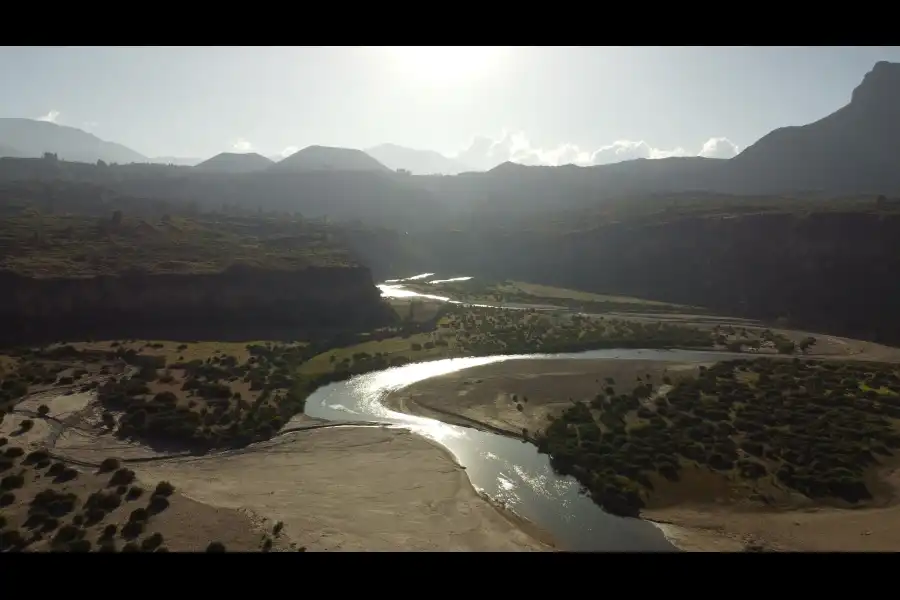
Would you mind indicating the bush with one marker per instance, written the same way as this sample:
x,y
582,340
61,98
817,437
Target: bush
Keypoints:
x,y
122,477
157,504
161,549
109,532
130,547
164,488
152,542
132,529
3,441
107,546
26,425
109,464
11,539
6,499
12,482
13,452
37,456
215,547
139,514
55,469
67,534
80,546
134,493
68,474
43,410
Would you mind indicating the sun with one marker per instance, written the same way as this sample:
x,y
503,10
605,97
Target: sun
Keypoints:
x,y
444,64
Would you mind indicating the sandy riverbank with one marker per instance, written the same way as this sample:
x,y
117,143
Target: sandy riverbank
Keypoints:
x,y
487,397
339,488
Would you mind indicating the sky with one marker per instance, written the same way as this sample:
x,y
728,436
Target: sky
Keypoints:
x,y
535,105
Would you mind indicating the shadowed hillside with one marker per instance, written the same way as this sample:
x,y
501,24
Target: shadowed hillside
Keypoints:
x,y
33,138
231,162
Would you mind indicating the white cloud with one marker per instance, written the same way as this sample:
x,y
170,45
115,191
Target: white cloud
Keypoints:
x,y
241,145
719,147
50,117
288,151
486,153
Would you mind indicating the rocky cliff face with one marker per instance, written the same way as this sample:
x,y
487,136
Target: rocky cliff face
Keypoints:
x,y
830,272
239,303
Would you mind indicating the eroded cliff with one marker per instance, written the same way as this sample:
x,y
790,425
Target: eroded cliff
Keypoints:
x,y
238,303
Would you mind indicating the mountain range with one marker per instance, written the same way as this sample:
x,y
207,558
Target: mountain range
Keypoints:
x,y
851,151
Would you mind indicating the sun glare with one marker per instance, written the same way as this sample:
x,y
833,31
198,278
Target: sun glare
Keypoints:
x,y
444,64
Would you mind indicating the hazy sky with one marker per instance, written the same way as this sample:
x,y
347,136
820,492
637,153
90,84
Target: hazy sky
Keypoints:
x,y
532,104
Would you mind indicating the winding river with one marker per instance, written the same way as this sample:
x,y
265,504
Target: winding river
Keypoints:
x,y
507,470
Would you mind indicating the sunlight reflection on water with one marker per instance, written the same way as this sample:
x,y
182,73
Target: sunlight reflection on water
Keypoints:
x,y
506,469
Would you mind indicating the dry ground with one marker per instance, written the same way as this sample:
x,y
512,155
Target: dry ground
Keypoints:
x,y
489,394
351,488
484,396
334,489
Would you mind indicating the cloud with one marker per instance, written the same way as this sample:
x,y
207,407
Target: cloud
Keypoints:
x,y
241,145
486,153
50,117
719,147
288,151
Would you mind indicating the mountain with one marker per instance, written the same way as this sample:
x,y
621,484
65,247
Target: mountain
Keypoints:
x,y
175,160
854,149
417,162
33,138
231,162
9,151
327,158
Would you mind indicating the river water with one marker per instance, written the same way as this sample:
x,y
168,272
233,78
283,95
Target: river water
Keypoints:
x,y
509,471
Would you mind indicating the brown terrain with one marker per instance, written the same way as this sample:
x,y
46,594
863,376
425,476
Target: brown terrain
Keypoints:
x,y
333,488
511,396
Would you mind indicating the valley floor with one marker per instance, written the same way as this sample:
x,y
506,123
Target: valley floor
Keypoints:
x,y
515,395
334,488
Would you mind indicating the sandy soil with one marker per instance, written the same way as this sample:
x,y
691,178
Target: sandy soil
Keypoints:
x,y
186,525
334,488
483,397
489,394
351,488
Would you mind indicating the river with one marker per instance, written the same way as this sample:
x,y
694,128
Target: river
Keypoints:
x,y
509,471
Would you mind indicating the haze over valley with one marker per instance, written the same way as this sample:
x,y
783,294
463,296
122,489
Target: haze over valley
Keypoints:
x,y
303,301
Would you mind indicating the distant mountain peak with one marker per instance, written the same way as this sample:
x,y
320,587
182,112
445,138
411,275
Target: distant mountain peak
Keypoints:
x,y
417,162
330,158
32,138
234,162
880,88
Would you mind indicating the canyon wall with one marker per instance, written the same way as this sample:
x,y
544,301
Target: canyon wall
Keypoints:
x,y
237,303
829,271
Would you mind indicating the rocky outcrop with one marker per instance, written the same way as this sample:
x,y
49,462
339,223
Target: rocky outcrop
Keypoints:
x,y
238,303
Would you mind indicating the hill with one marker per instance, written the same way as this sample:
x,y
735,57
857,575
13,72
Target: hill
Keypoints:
x,y
232,162
327,158
33,138
854,149
8,151
417,162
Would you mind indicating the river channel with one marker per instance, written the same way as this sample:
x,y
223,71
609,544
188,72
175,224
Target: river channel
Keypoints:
x,y
509,471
